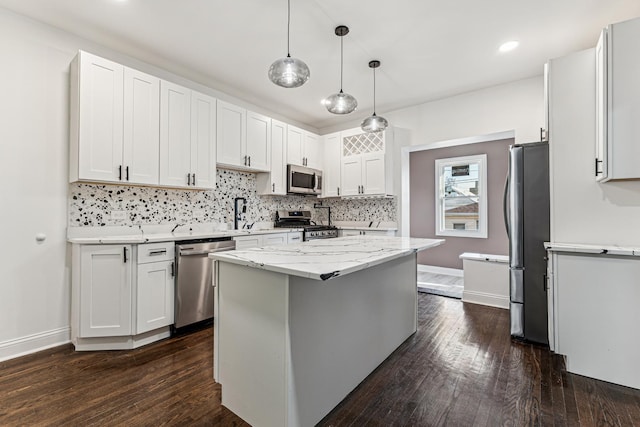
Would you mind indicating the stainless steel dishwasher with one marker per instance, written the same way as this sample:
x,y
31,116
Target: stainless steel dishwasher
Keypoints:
x,y
194,293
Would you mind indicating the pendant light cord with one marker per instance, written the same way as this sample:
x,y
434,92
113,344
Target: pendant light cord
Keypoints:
x,y
341,60
288,26
374,91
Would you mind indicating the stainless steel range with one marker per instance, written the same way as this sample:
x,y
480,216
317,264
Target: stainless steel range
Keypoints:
x,y
302,219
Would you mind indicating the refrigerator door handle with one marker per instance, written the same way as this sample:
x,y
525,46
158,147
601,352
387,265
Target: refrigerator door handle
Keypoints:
x,y
505,205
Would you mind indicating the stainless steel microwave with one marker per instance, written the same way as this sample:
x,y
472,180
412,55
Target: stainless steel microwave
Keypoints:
x,y
303,180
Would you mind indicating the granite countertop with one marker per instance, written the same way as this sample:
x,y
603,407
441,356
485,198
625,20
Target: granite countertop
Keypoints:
x,y
592,249
327,258
168,236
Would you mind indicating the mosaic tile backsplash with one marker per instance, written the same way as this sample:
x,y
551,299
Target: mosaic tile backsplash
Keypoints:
x,y
90,205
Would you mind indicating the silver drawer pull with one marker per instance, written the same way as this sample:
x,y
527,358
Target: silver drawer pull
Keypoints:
x,y
162,252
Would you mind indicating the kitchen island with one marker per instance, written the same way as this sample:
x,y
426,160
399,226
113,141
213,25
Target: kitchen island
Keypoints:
x,y
298,327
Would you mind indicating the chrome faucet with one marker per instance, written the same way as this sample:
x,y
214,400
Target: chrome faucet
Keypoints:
x,y
237,212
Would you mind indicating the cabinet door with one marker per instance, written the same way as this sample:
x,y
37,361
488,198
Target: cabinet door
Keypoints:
x,y
278,157
351,175
313,151
141,147
154,296
175,134
246,242
232,137
100,118
295,139
331,171
275,239
105,290
258,141
203,140
600,166
373,173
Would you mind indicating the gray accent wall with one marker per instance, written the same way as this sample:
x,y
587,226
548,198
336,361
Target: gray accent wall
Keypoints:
x,y
422,202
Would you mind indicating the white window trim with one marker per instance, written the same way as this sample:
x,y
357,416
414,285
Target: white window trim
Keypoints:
x,y
482,231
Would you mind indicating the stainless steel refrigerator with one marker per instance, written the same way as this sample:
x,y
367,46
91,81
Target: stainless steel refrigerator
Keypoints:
x,y
526,211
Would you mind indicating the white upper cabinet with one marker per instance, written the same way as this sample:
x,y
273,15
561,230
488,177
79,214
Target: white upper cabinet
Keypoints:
x,y
332,160
114,122
304,148
258,150
274,182
141,127
187,137
618,102
366,166
203,140
244,138
175,135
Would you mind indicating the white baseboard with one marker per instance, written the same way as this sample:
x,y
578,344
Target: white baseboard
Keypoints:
x,y
493,300
440,270
33,343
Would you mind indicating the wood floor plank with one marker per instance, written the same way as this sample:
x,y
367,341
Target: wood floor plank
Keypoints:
x,y
461,368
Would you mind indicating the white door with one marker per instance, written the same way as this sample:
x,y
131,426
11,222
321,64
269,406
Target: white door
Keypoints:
x,y
101,117
203,140
313,151
373,180
295,139
331,170
278,157
141,147
105,290
258,141
175,134
155,296
231,134
351,176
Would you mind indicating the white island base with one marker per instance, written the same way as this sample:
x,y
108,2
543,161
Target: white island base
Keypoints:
x,y
288,349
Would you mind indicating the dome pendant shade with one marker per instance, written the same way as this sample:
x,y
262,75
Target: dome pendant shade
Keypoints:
x,y
289,72
341,103
374,123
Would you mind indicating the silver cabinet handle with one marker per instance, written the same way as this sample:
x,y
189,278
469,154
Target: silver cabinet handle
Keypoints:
x,y
338,191
273,187
124,254
160,252
245,160
173,269
120,173
188,179
194,179
249,161
127,173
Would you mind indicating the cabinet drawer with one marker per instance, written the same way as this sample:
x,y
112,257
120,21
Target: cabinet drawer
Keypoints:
x,y
153,252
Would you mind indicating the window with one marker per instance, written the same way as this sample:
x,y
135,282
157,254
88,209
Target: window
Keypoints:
x,y
461,196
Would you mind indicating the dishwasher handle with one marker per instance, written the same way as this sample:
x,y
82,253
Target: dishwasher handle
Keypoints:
x,y
205,252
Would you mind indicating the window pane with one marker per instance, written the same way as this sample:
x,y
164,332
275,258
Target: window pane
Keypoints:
x,y
461,191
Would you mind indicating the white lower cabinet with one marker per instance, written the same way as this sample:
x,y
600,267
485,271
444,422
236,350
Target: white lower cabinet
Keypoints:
x,y
104,291
155,287
122,295
271,239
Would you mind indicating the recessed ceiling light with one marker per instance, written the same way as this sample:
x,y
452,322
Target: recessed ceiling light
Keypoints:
x,y
508,46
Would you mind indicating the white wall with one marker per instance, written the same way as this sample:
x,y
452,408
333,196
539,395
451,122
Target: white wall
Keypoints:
x,y
583,210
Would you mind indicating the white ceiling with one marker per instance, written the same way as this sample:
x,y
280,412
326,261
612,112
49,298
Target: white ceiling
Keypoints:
x,y
429,49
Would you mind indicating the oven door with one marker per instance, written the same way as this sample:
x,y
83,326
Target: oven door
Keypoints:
x,y
303,180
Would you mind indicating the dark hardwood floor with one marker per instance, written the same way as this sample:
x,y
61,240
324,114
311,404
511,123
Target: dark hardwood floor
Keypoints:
x,y
460,369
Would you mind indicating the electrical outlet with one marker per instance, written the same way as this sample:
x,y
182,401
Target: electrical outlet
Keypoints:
x,y
116,215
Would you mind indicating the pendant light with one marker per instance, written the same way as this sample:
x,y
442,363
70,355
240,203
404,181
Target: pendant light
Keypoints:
x,y
289,72
374,123
341,103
